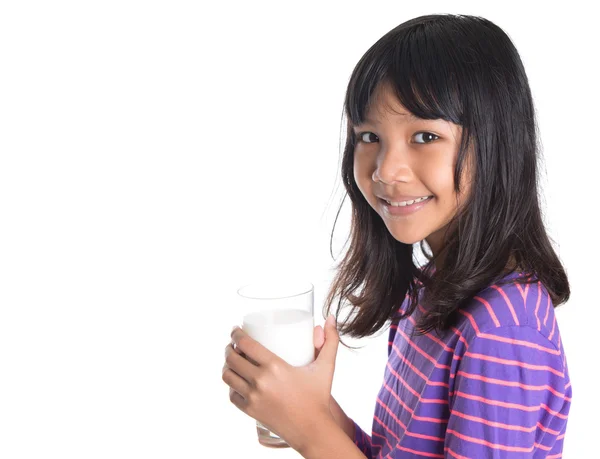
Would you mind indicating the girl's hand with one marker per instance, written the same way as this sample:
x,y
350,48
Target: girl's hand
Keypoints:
x,y
291,401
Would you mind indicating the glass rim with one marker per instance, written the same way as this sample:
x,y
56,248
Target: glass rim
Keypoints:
x,y
306,287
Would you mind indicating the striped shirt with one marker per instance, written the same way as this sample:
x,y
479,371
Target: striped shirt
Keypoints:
x,y
496,385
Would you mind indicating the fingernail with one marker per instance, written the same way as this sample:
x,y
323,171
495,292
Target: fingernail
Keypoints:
x,y
331,319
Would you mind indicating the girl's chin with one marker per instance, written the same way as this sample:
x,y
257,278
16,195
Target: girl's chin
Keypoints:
x,y
406,238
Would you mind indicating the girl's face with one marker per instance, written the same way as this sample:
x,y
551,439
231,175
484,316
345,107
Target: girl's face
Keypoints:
x,y
398,158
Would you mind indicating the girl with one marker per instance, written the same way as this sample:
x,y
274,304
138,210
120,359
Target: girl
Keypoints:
x,y
441,147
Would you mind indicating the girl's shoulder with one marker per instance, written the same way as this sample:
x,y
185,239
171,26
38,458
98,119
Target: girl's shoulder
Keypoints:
x,y
509,302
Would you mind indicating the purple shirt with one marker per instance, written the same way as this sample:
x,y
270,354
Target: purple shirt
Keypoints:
x,y
494,386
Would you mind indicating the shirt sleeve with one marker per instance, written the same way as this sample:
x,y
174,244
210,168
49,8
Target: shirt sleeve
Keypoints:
x,y
363,441
510,397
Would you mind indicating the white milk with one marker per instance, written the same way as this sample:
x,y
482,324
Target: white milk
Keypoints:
x,y
287,333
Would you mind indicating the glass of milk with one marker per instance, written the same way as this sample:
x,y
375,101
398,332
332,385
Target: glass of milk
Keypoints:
x,y
279,315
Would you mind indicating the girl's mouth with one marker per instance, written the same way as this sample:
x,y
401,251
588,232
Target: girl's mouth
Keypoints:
x,y
404,210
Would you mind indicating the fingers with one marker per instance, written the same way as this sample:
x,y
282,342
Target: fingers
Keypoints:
x,y
251,349
237,399
329,350
239,364
318,337
318,340
236,383
229,374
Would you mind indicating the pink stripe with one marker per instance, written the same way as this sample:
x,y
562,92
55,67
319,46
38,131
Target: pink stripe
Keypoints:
x,y
489,309
537,306
411,390
367,439
440,342
420,453
420,351
423,436
520,290
518,406
508,302
380,422
524,293
381,446
489,401
551,411
453,454
502,425
547,429
414,451
460,336
540,446
404,383
502,382
386,408
496,445
515,363
411,434
417,372
491,423
518,342
454,329
404,405
437,340
469,316
553,327
547,310
410,410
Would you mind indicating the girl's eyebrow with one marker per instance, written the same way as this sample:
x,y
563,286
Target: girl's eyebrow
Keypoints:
x,y
409,117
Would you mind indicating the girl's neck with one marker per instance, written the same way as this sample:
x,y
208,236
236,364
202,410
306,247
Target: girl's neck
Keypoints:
x,y
511,265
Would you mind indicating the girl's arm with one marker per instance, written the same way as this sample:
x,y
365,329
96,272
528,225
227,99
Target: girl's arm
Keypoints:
x,y
330,441
360,438
352,431
341,418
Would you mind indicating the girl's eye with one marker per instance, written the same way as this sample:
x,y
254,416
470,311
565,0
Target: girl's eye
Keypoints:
x,y
428,137
361,135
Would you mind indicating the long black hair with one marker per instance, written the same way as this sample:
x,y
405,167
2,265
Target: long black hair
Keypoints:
x,y
463,69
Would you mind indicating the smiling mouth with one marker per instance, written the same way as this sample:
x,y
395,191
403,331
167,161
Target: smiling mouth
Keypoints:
x,y
401,211
405,203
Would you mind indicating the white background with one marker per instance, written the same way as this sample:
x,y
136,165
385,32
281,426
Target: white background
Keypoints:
x,y
156,155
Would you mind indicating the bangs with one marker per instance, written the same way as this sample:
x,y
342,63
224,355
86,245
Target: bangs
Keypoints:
x,y
420,67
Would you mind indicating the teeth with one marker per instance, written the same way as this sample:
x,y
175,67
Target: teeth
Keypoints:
x,y
406,203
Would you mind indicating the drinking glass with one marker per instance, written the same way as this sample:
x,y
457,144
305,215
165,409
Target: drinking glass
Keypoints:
x,y
279,315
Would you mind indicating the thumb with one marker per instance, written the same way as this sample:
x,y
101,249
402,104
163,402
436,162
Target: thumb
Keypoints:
x,y
318,339
328,352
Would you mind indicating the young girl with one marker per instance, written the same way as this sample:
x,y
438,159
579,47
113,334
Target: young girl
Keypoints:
x,y
441,147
